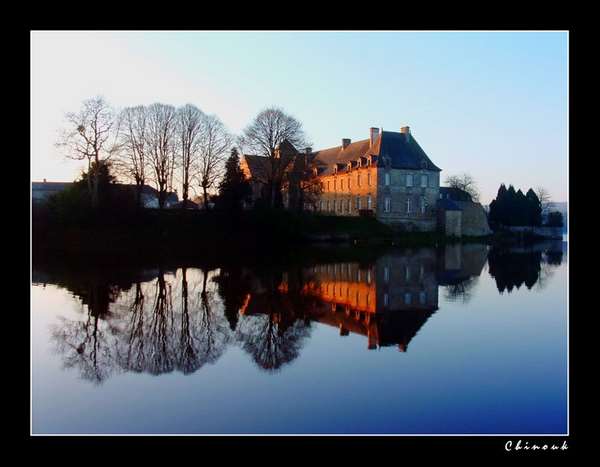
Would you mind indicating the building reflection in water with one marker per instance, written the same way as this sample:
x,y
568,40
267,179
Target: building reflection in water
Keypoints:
x,y
158,321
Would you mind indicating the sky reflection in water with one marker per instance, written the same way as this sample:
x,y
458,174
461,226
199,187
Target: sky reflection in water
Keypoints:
x,y
456,340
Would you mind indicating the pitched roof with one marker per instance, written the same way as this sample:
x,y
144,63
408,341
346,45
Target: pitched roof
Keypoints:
x,y
455,194
448,205
50,186
403,153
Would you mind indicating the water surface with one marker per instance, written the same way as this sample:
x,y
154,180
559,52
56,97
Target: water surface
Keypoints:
x,y
456,340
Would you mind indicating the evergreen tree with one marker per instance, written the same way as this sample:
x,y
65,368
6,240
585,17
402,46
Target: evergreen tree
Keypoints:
x,y
234,189
535,208
512,208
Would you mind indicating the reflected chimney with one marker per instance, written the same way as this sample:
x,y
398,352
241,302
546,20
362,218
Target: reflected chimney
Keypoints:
x,y
345,142
373,133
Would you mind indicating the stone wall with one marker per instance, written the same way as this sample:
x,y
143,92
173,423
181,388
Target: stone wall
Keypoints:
x,y
399,192
340,192
474,219
452,223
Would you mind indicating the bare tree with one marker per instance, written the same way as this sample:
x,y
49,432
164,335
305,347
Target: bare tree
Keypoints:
x,y
161,147
214,144
465,182
90,136
133,156
190,128
267,131
544,196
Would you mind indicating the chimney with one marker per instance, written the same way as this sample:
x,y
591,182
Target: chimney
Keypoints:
x,y
373,133
345,142
44,180
406,131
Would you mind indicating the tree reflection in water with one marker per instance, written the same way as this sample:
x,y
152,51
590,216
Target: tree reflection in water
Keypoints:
x,y
533,265
160,321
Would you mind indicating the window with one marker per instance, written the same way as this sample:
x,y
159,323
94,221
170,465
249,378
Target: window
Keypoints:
x,y
407,273
349,184
368,202
334,204
342,184
328,185
349,205
409,180
387,179
386,299
358,179
407,298
369,178
407,205
388,205
328,205
358,202
368,276
422,297
334,184
423,181
386,274
423,205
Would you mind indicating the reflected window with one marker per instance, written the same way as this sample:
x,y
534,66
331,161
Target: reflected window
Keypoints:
x,y
422,297
407,298
386,274
387,179
386,299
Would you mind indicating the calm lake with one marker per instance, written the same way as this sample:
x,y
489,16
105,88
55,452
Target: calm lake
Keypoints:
x,y
460,339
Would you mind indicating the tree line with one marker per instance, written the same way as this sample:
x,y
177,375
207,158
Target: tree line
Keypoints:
x,y
513,208
169,148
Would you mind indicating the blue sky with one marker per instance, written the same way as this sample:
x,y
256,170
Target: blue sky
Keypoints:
x,y
491,104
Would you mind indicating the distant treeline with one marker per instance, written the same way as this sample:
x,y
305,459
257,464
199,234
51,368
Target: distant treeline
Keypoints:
x,y
513,208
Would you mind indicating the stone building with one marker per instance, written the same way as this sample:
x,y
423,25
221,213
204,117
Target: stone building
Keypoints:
x,y
459,215
387,176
